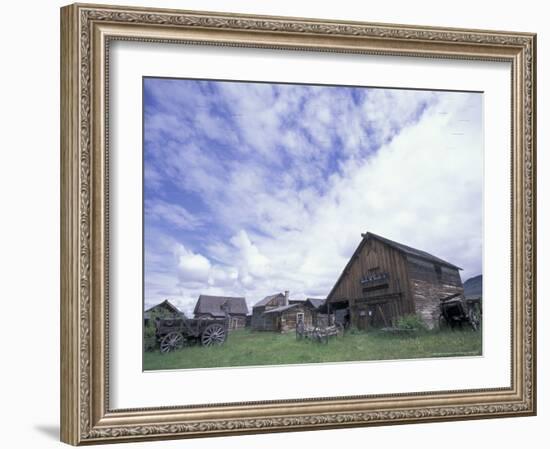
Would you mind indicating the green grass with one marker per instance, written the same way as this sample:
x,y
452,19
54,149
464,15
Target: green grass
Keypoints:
x,y
249,348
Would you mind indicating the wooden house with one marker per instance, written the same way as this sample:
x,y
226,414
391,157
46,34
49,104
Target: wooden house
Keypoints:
x,y
164,309
318,318
279,313
385,280
213,307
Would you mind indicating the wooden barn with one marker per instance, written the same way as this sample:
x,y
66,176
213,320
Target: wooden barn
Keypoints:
x,y
385,280
278,313
213,307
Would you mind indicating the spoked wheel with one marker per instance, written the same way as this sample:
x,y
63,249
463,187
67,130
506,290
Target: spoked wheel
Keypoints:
x,y
214,334
172,342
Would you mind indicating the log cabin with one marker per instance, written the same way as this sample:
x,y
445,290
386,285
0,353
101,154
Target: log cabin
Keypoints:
x,y
279,313
385,280
164,309
208,307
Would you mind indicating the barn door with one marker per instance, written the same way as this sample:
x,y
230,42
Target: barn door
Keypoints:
x,y
379,315
363,318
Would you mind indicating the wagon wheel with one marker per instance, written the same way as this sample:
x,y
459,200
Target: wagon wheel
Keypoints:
x,y
474,318
214,334
172,342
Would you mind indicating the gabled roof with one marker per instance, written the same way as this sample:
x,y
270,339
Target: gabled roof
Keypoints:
x,y
167,304
267,299
315,302
408,250
212,305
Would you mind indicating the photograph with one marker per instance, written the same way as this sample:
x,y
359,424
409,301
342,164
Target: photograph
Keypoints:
x,y
296,220
288,223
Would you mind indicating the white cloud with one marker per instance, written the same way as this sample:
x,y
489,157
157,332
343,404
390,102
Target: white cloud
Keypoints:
x,y
252,263
223,276
295,228
174,214
192,267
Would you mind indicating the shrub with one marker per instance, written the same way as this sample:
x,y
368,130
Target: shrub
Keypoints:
x,y
410,322
149,337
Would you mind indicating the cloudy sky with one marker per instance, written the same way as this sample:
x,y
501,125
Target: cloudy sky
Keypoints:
x,y
252,188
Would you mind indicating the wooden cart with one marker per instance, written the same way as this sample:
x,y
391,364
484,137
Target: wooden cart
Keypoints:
x,y
318,334
174,334
457,311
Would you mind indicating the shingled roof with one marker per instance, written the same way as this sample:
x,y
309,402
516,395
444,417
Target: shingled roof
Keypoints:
x,y
409,250
167,304
280,309
212,305
267,299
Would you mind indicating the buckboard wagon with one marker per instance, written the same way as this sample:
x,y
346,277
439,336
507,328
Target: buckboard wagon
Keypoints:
x,y
176,333
318,334
456,310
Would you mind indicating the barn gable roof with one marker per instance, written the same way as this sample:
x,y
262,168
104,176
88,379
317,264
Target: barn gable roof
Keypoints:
x,y
408,250
207,304
267,300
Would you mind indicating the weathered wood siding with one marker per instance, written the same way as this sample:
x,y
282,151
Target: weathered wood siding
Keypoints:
x,y
288,318
386,303
322,319
258,322
237,322
429,282
284,321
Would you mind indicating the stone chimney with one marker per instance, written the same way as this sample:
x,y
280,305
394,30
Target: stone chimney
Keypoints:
x,y
286,297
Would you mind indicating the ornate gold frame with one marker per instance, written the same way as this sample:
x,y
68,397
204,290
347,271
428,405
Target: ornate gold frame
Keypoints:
x,y
86,31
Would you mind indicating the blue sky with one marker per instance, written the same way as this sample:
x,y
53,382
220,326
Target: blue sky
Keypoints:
x,y
256,188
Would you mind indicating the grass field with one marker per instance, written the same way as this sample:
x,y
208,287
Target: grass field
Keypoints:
x,y
249,348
